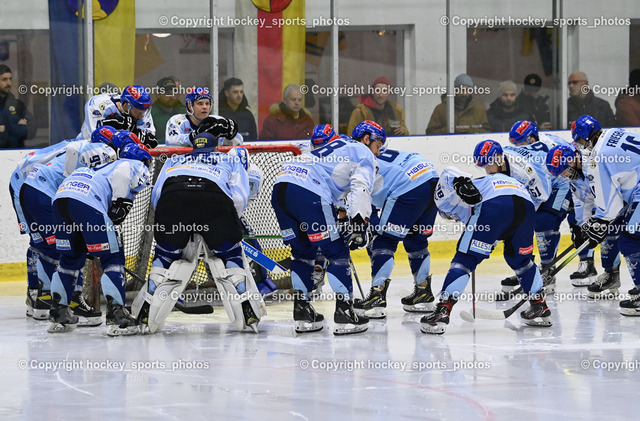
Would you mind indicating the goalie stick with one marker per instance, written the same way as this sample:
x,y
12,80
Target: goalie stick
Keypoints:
x,y
262,259
482,313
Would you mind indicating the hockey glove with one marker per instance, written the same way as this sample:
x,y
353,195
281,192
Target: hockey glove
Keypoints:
x,y
577,236
119,122
595,231
119,210
217,127
467,191
360,233
148,139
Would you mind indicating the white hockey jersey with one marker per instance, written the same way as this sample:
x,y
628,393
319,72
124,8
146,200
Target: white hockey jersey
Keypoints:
x,y
101,106
180,126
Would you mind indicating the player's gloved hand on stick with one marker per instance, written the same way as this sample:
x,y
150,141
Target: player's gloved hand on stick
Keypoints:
x,y
148,139
119,210
577,236
119,122
217,127
595,231
467,191
360,233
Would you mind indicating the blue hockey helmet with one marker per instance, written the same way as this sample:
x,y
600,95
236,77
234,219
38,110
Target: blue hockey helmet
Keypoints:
x,y
135,151
521,131
195,94
375,131
322,134
103,134
123,138
485,152
558,159
585,127
136,96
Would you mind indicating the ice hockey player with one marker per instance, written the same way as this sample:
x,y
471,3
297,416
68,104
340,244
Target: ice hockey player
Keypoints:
x,y
205,179
612,159
526,133
565,161
182,128
495,207
303,198
131,112
404,195
86,207
527,165
36,196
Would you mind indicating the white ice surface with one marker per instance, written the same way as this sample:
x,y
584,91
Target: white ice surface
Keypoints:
x,y
584,367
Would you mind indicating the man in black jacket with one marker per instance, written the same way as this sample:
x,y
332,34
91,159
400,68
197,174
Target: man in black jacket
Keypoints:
x,y
16,123
582,101
234,105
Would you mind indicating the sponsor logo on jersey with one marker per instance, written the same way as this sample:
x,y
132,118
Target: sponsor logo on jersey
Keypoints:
x,y
37,238
287,234
294,171
526,250
500,184
319,236
418,170
97,247
63,244
480,247
396,229
51,240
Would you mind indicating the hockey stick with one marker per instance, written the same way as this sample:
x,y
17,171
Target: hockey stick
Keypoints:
x,y
201,309
505,296
262,259
482,313
473,291
355,275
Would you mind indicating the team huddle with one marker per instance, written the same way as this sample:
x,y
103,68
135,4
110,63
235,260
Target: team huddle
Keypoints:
x,y
345,193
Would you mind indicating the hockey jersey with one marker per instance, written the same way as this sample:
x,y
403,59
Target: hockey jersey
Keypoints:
x,y
123,178
40,156
225,170
400,172
342,170
101,106
179,126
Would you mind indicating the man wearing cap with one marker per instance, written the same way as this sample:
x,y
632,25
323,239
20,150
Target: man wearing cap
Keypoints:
x,y
470,115
532,102
582,101
504,111
376,106
166,105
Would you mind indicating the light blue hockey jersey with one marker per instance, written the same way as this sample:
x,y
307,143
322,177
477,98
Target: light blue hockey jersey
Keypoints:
x,y
490,186
179,127
123,178
82,153
400,172
341,170
223,169
101,106
613,170
552,140
40,156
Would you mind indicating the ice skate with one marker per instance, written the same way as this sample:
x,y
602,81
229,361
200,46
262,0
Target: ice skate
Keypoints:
x,y
62,319
250,318
319,272
436,322
87,315
509,285
609,280
346,319
120,322
38,303
538,314
585,275
634,293
420,300
374,305
630,307
305,316
549,282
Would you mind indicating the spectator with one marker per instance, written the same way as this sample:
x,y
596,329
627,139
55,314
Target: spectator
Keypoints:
x,y
533,103
582,101
234,105
377,107
288,120
166,105
504,111
16,122
469,116
628,102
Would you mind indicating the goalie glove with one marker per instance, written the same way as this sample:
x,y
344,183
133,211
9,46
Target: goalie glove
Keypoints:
x,y
595,231
217,127
360,233
148,139
467,191
119,210
119,122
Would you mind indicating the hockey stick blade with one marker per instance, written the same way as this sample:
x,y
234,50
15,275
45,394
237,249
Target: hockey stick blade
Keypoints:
x,y
262,259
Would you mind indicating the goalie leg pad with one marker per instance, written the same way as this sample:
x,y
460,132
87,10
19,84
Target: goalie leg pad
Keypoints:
x,y
170,283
